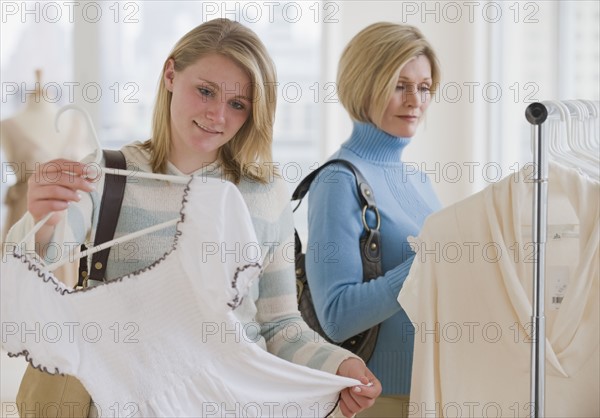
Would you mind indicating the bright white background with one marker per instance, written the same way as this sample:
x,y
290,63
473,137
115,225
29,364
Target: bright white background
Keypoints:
x,y
496,58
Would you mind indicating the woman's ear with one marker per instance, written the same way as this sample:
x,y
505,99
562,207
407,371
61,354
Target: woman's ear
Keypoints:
x,y
169,74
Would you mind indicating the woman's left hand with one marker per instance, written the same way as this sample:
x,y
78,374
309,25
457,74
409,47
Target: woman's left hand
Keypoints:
x,y
357,398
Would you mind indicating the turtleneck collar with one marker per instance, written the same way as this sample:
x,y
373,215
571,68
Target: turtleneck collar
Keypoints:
x,y
373,144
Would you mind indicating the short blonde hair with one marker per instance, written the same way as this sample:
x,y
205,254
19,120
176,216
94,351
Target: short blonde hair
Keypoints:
x,y
370,66
249,152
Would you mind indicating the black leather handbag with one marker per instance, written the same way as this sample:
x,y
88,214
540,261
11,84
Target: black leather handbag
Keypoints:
x,y
361,344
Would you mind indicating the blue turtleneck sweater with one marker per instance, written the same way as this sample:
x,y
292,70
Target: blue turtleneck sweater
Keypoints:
x,y
344,303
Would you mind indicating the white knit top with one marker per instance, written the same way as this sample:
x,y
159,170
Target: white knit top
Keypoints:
x,y
271,304
164,341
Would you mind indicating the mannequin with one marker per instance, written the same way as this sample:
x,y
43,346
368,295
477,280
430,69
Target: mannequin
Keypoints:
x,y
29,138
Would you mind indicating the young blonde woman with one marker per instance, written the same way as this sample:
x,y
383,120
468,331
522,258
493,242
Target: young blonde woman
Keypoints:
x,y
387,75
213,116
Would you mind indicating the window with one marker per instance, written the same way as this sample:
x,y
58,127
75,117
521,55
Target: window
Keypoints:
x,y
547,51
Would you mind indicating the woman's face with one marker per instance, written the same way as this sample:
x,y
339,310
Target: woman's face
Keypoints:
x,y
410,99
212,99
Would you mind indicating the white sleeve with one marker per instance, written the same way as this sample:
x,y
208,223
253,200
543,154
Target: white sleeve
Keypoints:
x,y
17,232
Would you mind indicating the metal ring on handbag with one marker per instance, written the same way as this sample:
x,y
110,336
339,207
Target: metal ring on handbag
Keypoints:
x,y
364,218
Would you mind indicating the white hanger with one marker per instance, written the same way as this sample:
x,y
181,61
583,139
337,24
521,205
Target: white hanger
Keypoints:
x,y
583,138
78,254
557,130
561,134
594,123
578,131
98,159
590,126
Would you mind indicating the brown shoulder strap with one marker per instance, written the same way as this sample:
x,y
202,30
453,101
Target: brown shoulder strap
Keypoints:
x,y
110,207
370,242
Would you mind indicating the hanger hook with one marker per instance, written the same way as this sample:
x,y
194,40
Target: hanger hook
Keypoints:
x,y
89,123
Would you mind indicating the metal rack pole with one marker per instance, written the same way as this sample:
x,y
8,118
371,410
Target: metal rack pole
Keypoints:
x,y
536,114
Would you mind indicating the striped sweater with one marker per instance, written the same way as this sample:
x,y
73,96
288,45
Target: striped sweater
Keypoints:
x,y
270,315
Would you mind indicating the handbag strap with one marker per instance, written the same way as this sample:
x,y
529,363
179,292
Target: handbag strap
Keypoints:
x,y
370,242
110,207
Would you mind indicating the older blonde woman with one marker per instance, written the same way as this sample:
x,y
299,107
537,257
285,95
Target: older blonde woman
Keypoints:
x,y
387,75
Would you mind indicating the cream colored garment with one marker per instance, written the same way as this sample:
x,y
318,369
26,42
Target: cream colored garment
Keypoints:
x,y
164,341
469,295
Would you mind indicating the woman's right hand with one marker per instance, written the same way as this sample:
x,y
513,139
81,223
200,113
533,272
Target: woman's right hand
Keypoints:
x,y
54,185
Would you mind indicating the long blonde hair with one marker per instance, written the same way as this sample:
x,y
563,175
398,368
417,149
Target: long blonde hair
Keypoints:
x,y
249,152
371,63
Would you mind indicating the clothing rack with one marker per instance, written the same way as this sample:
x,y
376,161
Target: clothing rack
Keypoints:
x,y
536,114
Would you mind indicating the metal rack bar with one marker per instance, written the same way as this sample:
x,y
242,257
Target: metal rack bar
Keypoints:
x,y
536,114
